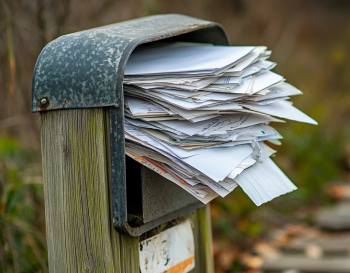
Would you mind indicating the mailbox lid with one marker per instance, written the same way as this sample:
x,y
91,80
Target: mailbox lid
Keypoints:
x,y
85,69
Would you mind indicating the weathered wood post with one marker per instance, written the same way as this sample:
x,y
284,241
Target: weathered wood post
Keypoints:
x,y
96,209
80,235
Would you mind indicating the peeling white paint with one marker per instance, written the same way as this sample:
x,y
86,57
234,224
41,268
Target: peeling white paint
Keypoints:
x,y
170,251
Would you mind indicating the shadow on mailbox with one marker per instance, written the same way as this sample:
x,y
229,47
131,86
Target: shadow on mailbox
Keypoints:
x,y
85,70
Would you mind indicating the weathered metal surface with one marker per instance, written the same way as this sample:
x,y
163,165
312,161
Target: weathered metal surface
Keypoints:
x,y
159,197
86,69
169,251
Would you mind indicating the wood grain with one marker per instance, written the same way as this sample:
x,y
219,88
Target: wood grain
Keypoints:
x,y
80,236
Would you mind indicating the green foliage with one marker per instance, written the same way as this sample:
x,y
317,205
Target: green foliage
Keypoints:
x,y
313,158
21,217
234,218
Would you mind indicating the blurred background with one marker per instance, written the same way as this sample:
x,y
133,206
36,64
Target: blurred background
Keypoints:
x,y
310,41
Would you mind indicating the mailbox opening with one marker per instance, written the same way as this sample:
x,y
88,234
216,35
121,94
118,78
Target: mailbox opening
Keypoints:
x,y
149,195
151,199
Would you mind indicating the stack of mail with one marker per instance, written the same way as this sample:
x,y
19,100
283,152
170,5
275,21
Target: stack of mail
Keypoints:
x,y
199,115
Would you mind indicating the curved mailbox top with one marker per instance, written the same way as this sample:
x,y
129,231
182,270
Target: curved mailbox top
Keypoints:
x,y
85,69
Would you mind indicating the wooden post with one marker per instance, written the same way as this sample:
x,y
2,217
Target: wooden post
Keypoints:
x,y
80,235
203,241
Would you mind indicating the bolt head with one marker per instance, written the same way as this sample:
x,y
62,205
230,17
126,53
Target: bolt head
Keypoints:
x,y
44,102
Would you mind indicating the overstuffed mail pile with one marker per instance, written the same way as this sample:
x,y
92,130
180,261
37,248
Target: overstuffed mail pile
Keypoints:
x,y
201,116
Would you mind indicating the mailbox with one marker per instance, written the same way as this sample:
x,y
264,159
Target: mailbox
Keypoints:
x,y
85,70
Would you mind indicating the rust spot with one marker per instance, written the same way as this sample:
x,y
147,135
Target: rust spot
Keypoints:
x,y
181,267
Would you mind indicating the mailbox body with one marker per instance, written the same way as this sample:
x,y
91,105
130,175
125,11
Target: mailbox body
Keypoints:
x,y
86,70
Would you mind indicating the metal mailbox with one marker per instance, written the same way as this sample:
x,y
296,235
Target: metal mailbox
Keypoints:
x,y
85,70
